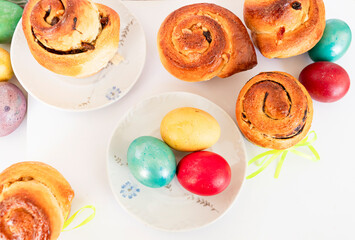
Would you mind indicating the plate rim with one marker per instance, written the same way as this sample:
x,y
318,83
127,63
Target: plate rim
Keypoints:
x,y
136,216
139,72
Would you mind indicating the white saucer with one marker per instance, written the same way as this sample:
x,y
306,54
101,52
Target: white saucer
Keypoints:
x,y
97,91
172,208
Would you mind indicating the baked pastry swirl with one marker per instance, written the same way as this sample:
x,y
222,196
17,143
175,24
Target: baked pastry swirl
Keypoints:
x,y
71,37
35,199
274,110
200,41
284,28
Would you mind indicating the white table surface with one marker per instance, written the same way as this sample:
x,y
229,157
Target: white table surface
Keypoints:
x,y
308,201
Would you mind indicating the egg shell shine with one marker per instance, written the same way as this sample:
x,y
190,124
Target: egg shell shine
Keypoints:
x,y
151,161
189,129
334,43
204,173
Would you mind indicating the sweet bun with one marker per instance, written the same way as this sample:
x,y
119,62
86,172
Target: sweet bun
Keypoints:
x,y
201,41
71,37
274,110
35,200
284,28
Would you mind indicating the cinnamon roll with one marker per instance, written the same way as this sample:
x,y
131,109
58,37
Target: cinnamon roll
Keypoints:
x,y
284,28
274,110
200,41
35,200
71,37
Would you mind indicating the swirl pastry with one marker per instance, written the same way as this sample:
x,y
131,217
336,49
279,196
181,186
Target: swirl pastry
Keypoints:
x,y
274,110
35,199
200,41
284,28
71,37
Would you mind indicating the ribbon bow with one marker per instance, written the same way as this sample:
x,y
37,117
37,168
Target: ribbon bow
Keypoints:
x,y
88,219
271,155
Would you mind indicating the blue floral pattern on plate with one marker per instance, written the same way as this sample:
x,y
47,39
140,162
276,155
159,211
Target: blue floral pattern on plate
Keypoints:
x,y
113,93
129,190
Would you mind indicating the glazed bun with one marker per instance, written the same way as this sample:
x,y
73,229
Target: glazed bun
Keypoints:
x,y
201,41
274,110
284,28
71,37
35,200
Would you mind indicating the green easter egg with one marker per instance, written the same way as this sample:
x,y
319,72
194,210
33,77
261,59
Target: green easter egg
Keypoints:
x,y
10,14
334,43
151,161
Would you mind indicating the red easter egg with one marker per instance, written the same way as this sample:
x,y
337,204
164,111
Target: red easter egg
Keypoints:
x,y
204,173
325,81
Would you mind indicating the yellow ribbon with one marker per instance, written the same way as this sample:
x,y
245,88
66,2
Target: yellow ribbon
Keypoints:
x,y
88,219
271,155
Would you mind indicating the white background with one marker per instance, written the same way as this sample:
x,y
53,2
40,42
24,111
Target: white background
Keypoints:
x,y
308,201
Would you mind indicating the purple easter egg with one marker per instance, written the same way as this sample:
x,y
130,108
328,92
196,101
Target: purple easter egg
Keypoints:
x,y
13,108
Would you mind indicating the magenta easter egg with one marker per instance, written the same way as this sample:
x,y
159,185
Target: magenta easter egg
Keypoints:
x,y
204,173
13,108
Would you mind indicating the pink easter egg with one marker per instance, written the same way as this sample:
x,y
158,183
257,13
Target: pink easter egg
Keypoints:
x,y
13,108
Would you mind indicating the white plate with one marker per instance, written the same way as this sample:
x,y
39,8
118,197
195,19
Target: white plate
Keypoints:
x,y
97,91
172,208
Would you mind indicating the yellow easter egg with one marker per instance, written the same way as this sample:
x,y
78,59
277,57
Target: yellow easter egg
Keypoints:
x,y
189,129
6,72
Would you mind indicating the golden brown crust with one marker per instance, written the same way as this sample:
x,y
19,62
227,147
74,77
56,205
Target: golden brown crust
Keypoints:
x,y
274,110
200,41
35,199
71,37
284,28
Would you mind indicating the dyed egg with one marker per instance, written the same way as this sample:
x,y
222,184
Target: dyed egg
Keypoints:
x,y
10,14
6,72
12,108
151,161
204,173
189,129
325,81
334,43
